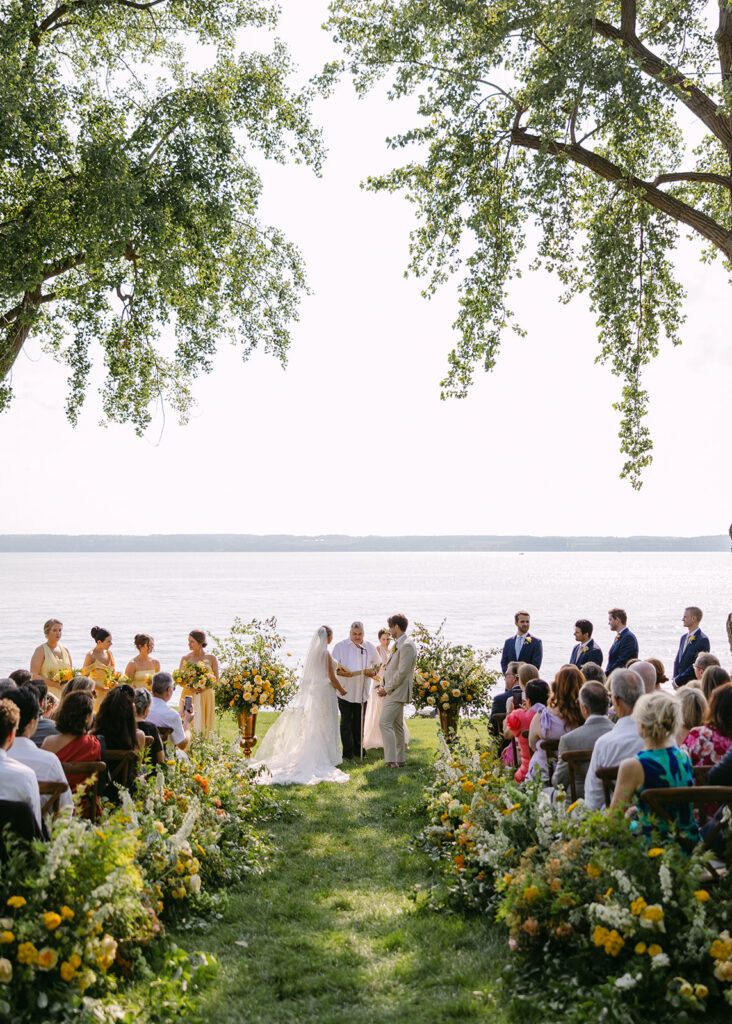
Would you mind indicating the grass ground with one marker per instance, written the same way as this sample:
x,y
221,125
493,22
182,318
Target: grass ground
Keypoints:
x,y
329,932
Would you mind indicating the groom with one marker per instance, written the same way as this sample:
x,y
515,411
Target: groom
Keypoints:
x,y
396,691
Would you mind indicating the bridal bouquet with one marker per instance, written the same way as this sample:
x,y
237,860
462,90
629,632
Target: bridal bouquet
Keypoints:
x,y
255,674
450,676
195,675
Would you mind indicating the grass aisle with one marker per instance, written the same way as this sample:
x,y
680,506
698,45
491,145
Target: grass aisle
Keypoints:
x,y
330,933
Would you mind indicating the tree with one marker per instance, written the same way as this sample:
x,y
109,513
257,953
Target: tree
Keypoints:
x,y
609,124
128,195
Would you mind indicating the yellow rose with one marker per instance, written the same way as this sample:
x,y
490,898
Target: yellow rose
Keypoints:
x,y
468,786
702,895
653,913
720,949
638,906
640,947
656,851
6,937
654,950
456,692
51,920
17,902
6,971
685,989
701,991
47,959
66,971
593,870
75,960
600,935
27,953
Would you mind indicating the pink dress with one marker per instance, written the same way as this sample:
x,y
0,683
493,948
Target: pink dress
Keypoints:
x,y
518,721
706,746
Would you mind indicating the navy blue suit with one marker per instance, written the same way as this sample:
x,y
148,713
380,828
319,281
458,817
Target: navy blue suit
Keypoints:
x,y
624,647
684,662
531,651
583,653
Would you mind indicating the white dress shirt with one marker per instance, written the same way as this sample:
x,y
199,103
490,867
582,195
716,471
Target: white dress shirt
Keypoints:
x,y
622,741
162,714
43,763
19,783
346,653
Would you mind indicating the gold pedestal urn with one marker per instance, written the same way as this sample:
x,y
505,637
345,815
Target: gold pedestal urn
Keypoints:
x,y
247,728
449,723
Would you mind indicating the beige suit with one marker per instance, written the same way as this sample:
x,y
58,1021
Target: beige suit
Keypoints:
x,y
398,678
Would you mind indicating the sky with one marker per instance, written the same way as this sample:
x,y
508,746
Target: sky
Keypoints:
x,y
352,436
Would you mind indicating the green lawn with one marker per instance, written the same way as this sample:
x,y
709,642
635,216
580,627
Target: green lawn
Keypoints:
x,y
329,932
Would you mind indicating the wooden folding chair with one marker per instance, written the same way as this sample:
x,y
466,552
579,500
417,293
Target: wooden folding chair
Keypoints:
x,y
551,749
120,765
53,791
95,770
700,774
697,797
608,777
166,731
577,761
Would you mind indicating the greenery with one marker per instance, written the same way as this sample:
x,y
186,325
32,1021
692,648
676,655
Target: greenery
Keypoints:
x,y
450,676
129,192
573,116
255,673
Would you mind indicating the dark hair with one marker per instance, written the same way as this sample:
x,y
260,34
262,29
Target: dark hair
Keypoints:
x,y
21,676
73,712
619,613
40,686
595,699
594,673
328,632
78,684
381,633
27,702
99,634
537,691
116,719
565,695
7,686
661,676
584,625
142,640
199,636
161,682
713,677
399,620
9,718
719,712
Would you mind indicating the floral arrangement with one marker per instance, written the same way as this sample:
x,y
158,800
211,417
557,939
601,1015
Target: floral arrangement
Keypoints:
x,y
195,675
112,679
450,676
63,675
254,674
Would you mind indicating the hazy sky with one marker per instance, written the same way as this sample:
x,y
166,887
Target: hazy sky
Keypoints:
x,y
352,437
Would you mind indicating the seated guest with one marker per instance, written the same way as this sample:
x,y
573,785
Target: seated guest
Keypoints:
x,y
73,742
647,673
661,676
46,766
511,689
622,741
115,724
701,663
46,725
21,676
524,674
585,650
7,686
143,700
18,783
693,706
79,684
561,714
713,677
708,743
660,765
595,674
162,715
518,721
593,701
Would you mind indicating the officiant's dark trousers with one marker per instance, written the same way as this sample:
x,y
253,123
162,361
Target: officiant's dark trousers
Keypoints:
x,y
351,726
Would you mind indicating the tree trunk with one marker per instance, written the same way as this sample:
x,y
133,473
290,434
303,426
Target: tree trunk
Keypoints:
x,y
17,323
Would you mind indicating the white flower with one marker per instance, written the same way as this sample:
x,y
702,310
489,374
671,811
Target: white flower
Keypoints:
x,y
667,884
625,981
660,960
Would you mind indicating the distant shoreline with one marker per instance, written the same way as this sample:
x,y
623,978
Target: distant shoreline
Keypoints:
x,y
232,542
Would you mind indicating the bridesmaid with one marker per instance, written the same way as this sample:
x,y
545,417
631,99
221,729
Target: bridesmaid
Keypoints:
x,y
204,702
51,656
142,667
98,662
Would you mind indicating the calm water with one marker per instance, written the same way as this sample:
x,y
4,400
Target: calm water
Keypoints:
x,y
169,594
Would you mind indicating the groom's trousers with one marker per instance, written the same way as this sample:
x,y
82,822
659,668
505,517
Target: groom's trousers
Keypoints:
x,y
351,726
391,723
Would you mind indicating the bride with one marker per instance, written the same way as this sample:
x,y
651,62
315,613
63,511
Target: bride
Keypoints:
x,y
303,745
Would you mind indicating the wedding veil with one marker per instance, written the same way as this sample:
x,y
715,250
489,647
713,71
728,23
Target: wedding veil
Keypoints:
x,y
314,670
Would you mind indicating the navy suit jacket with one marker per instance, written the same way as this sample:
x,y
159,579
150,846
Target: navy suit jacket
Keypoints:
x,y
624,647
684,663
531,652
580,657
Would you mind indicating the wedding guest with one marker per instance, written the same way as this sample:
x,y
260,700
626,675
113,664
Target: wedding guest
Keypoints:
x,y
708,743
647,673
7,686
659,765
355,660
21,676
142,667
517,722
595,674
79,684
511,688
626,687
99,663
162,715
693,706
372,738
51,657
116,727
593,701
661,676
585,650
524,674
46,766
143,702
561,714
625,645
46,726
204,701
522,646
701,663
18,782
713,677
692,643
73,742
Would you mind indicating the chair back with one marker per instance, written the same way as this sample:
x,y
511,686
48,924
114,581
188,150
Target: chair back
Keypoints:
x,y
53,791
698,797
166,731
17,817
94,770
700,774
608,777
120,764
551,749
149,740
577,761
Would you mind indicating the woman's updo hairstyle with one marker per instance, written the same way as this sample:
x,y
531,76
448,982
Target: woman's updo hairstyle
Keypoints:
x,y
99,634
328,633
49,624
144,640
199,636
658,714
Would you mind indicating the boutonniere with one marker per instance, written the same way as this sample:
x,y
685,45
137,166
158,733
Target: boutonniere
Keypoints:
x,y
692,637
527,639
585,650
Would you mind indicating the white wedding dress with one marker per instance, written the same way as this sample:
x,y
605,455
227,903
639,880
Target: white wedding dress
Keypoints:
x,y
303,746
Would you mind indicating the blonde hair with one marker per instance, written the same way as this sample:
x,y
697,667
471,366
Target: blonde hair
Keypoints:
x,y
526,673
658,715
693,704
49,624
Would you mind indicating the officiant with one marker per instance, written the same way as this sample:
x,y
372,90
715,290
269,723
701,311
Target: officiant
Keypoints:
x,y
357,662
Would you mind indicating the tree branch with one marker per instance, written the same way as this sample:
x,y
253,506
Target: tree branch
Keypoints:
x,y
680,211
724,180
627,18
723,39
49,23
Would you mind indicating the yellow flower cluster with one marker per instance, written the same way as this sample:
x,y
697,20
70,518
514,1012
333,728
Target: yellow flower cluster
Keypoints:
x,y
721,952
431,689
195,675
611,941
246,689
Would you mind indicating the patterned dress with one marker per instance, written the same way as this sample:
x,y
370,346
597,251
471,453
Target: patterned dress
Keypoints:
x,y
666,768
706,746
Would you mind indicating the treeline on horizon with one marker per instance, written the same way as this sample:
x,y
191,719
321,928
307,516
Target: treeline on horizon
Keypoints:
x,y
339,542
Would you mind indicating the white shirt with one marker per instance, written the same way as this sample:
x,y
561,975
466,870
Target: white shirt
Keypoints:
x,y
44,764
19,783
622,741
354,659
162,714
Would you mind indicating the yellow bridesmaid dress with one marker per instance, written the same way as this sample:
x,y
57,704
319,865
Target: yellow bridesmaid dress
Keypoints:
x,y
97,672
204,705
143,679
53,664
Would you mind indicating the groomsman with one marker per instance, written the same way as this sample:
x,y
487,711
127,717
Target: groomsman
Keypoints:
x,y
693,642
522,646
586,649
625,645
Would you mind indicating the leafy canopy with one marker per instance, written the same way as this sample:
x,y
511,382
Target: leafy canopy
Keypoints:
x,y
608,124
128,195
